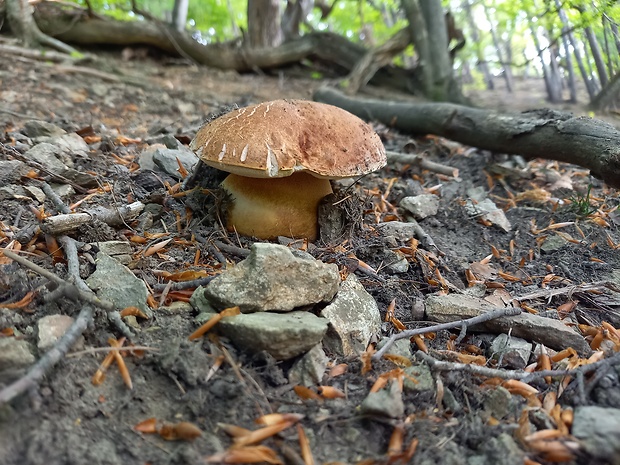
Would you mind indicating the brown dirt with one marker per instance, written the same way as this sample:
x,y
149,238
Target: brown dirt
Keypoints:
x,y
70,421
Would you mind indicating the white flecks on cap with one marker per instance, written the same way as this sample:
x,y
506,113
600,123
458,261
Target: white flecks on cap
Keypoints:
x,y
267,110
220,157
271,162
244,152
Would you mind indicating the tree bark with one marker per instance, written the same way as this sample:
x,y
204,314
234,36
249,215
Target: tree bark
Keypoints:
x,y
481,62
20,18
608,96
572,87
498,49
179,14
264,28
548,134
597,56
554,92
332,50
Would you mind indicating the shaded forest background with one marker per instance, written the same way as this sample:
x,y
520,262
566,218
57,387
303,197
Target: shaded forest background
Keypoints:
x,y
427,47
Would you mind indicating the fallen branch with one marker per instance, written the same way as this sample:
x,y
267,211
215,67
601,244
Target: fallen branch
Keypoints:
x,y
421,161
547,134
463,324
59,224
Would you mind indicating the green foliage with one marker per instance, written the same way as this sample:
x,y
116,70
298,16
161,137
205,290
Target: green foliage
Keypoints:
x,y
580,204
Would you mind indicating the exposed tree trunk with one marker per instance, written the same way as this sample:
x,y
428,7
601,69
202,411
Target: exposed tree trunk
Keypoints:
x,y
294,16
616,33
20,18
430,39
555,75
572,85
179,14
582,69
554,92
597,56
498,49
610,59
236,31
375,59
594,83
419,36
548,134
264,28
608,96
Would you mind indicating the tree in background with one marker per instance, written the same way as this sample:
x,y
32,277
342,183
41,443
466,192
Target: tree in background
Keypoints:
x,y
360,41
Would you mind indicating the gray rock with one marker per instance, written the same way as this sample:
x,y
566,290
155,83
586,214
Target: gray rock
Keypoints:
x,y
116,283
63,190
384,403
11,171
513,352
272,278
282,335
309,369
503,449
400,347
177,307
552,333
35,193
497,402
53,327
598,429
14,354
199,301
553,243
54,159
487,210
119,250
354,318
421,206
166,160
145,160
71,144
34,129
401,231
395,262
422,374
449,401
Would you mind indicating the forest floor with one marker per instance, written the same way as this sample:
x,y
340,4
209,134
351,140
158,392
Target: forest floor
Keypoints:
x,y
563,231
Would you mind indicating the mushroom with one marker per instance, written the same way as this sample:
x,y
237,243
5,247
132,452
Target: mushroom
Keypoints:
x,y
281,156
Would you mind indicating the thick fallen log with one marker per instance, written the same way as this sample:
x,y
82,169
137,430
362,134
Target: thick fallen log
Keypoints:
x,y
547,134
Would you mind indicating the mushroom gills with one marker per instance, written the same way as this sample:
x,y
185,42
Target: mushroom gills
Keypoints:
x,y
268,208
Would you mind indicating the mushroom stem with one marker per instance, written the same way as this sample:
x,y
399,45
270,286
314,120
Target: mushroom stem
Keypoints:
x,y
268,208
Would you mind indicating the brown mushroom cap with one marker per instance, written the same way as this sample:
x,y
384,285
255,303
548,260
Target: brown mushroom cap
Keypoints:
x,y
278,138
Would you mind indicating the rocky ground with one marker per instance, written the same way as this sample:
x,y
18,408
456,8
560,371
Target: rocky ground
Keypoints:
x,y
421,248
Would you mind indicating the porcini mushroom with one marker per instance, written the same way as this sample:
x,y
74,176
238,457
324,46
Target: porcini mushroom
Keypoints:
x,y
281,156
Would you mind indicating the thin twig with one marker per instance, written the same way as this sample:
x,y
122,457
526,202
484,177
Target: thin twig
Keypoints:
x,y
54,198
463,324
56,353
178,286
568,290
233,249
71,291
50,358
524,376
